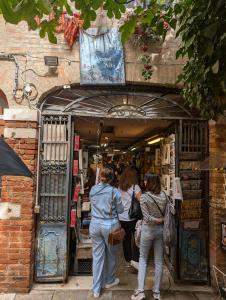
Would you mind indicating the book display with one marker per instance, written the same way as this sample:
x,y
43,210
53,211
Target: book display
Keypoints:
x,y
167,161
80,212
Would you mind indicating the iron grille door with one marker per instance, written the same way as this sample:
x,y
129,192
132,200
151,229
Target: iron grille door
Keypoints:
x,y
193,214
53,191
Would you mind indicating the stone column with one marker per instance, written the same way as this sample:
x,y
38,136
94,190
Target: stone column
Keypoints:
x,y
16,204
217,212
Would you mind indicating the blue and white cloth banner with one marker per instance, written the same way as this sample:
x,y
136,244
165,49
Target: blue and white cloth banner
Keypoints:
x,y
101,57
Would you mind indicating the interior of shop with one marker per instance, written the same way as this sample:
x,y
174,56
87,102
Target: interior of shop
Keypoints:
x,y
123,142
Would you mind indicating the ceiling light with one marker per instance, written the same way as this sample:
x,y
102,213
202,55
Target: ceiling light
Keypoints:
x,y
106,138
134,148
51,61
155,141
116,150
152,138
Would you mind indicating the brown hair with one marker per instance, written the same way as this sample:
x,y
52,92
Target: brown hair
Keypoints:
x,y
153,183
128,178
106,175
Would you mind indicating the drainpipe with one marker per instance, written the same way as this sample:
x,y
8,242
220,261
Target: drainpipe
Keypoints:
x,y
37,206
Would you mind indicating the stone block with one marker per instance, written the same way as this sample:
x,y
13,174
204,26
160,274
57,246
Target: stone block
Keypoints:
x,y
9,210
20,114
7,296
33,295
20,133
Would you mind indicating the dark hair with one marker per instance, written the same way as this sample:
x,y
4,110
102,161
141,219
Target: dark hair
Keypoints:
x,y
106,175
128,178
153,183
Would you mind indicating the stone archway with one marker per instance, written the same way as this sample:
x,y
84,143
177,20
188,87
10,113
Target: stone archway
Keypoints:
x,y
128,101
3,102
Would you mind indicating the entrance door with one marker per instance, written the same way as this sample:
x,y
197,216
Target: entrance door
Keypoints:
x,y
194,210
53,192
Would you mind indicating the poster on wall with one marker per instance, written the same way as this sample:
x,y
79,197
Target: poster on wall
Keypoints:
x,y
177,190
166,154
101,57
166,183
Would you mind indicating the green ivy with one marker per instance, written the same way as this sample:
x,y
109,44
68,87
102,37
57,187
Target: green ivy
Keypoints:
x,y
202,29
201,26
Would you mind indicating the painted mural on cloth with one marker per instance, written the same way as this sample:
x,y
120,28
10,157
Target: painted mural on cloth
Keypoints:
x,y
101,57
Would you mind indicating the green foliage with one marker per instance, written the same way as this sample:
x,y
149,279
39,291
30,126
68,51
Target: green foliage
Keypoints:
x,y
202,29
201,26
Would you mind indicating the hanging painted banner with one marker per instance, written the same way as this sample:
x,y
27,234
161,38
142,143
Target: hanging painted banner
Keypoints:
x,y
101,57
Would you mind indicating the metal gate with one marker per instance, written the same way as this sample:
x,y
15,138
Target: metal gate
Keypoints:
x,y
194,210
53,195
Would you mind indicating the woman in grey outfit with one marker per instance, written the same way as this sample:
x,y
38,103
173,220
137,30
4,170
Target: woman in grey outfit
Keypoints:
x,y
153,205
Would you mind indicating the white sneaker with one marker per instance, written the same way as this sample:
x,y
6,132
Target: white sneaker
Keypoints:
x,y
114,283
134,264
138,295
96,295
156,296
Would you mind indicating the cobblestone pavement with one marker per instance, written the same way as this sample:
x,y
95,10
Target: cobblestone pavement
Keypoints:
x,y
107,295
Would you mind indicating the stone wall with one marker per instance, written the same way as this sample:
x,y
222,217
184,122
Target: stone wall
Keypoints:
x,y
18,39
16,208
217,213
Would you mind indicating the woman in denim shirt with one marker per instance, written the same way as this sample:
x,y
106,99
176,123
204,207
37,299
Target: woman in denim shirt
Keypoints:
x,y
103,196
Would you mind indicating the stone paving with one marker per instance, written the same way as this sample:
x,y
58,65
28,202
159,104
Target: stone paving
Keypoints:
x,y
107,295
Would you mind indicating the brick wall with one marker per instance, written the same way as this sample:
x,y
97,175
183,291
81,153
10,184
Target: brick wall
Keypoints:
x,y
17,234
217,146
18,39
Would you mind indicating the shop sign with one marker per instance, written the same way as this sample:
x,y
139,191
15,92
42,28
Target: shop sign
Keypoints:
x,y
101,57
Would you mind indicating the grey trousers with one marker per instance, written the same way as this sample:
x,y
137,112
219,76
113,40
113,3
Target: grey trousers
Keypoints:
x,y
151,235
104,255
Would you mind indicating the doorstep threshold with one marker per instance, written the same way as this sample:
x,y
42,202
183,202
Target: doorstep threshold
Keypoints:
x,y
76,283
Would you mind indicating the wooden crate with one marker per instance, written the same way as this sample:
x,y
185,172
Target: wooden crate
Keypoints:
x,y
191,214
192,194
190,175
191,184
84,251
191,204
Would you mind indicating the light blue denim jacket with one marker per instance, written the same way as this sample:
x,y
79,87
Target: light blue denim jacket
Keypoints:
x,y
101,196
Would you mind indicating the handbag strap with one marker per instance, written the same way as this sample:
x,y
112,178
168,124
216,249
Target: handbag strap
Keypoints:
x,y
97,193
111,204
156,204
132,196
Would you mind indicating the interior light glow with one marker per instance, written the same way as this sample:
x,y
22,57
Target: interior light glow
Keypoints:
x,y
116,150
134,148
155,141
152,138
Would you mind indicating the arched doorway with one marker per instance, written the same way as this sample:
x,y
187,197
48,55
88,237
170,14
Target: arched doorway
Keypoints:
x,y
63,107
3,102
129,101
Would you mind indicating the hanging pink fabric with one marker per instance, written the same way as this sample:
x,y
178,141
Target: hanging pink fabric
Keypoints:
x,y
76,193
77,143
75,168
73,218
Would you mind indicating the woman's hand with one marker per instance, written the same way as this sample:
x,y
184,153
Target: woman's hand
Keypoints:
x,y
159,221
138,195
